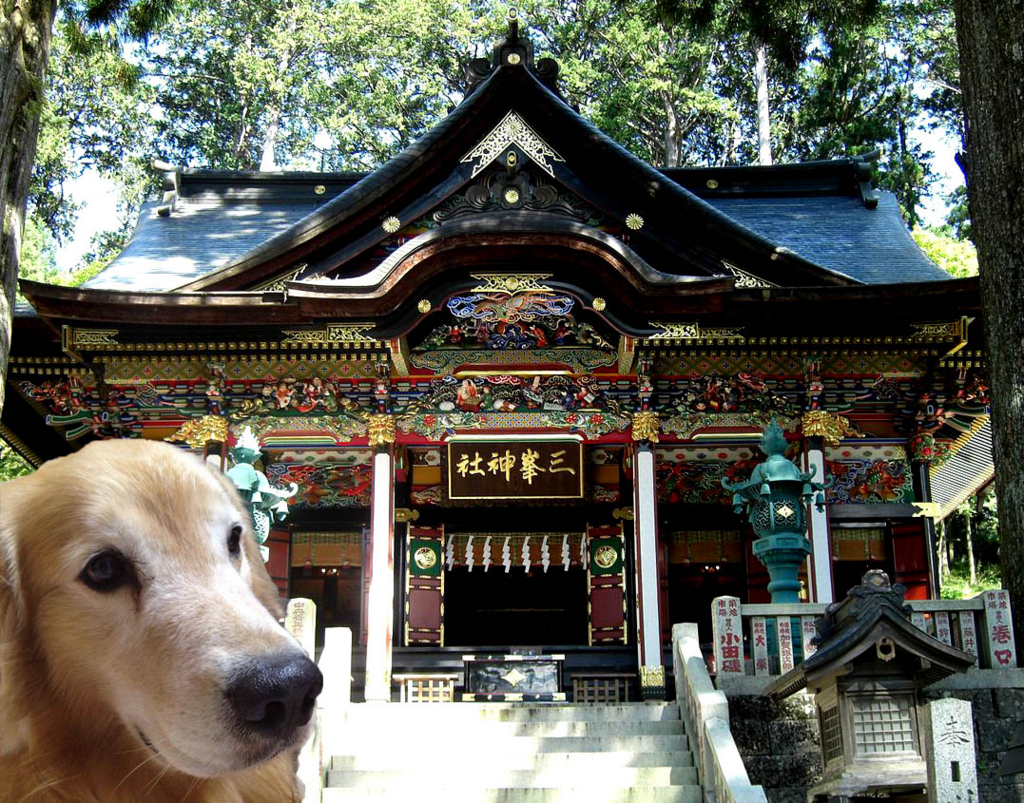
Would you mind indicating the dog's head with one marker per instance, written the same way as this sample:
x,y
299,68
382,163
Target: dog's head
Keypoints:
x,y
131,582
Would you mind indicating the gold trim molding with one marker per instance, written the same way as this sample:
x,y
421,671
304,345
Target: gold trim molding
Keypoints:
x,y
512,130
331,333
645,426
830,427
652,677
73,338
404,514
944,331
744,280
381,429
510,283
281,282
692,331
197,432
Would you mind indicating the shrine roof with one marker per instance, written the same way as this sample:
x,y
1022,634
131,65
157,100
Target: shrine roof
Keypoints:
x,y
216,217
220,216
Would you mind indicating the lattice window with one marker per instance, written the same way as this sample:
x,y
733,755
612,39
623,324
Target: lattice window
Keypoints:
x,y
883,724
831,733
601,688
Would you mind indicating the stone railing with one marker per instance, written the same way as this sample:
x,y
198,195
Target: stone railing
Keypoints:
x,y
705,713
332,704
755,639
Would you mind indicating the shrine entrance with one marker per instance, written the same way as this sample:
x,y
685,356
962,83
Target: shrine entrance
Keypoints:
x,y
516,608
503,589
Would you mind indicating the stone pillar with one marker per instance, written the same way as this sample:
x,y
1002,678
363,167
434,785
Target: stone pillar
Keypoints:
x,y
382,584
818,530
949,745
300,621
645,528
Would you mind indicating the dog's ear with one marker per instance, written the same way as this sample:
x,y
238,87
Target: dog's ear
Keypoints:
x,y
9,605
259,578
11,620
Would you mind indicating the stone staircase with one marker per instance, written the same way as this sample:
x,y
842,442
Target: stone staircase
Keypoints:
x,y
466,752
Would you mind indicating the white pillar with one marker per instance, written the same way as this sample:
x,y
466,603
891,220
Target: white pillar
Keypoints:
x,y
645,527
382,585
821,554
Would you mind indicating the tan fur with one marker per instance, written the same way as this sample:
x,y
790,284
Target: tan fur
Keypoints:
x,y
82,672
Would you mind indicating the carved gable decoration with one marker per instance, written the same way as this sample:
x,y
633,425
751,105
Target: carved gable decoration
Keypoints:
x,y
512,130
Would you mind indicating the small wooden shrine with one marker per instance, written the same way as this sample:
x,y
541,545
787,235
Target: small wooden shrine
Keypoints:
x,y
508,370
871,661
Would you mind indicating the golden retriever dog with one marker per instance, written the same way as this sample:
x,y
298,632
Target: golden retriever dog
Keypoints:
x,y
141,655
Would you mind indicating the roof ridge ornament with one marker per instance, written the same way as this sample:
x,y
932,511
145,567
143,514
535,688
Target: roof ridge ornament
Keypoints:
x,y
515,51
512,130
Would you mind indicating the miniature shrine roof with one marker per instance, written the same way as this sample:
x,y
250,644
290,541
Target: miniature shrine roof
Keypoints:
x,y
871,612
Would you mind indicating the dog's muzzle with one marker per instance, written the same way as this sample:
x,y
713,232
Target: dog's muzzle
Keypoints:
x,y
275,695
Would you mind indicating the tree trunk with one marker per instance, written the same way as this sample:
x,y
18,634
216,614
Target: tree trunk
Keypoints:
x,y
25,33
670,138
764,126
943,551
989,35
969,542
267,161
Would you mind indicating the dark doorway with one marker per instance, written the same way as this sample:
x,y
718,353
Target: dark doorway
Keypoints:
x,y
515,609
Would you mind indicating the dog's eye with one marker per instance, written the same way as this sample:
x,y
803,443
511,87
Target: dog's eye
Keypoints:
x,y
106,571
234,540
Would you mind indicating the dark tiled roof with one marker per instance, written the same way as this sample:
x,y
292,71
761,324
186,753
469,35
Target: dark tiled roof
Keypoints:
x,y
841,233
221,216
217,217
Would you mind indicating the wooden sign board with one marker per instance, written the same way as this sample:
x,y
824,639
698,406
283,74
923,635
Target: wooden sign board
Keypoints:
x,y
522,469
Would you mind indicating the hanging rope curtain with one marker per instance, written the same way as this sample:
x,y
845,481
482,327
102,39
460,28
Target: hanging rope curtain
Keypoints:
x,y
471,551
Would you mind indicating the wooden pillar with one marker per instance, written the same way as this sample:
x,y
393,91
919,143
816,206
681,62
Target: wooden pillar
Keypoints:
x,y
822,588
382,583
645,529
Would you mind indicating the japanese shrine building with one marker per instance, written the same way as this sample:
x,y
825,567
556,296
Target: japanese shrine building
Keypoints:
x,y
509,369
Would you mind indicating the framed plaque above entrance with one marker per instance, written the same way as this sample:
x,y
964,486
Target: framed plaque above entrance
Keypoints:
x,y
485,468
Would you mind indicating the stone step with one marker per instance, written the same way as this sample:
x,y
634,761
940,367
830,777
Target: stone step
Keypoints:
x,y
516,712
485,748
472,730
596,793
477,777
571,762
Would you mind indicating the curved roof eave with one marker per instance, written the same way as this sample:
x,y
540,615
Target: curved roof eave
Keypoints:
x,y
518,222
566,128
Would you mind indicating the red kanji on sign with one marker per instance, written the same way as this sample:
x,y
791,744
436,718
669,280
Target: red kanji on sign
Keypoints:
x,y
1003,656
1001,634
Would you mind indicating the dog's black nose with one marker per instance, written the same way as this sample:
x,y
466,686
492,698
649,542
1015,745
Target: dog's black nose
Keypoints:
x,y
276,694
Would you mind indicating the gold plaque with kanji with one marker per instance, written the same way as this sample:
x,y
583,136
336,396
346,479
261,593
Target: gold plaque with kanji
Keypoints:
x,y
521,469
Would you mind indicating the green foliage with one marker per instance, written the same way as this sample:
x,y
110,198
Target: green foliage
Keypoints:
x,y
233,84
12,464
959,586
96,116
957,257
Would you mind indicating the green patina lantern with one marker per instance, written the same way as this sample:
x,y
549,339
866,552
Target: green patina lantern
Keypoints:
x,y
775,499
265,502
